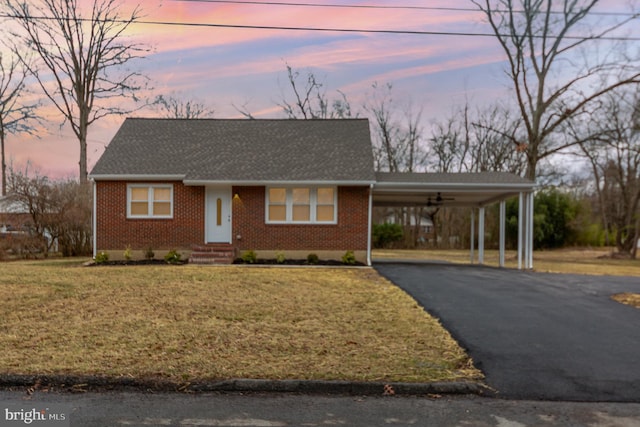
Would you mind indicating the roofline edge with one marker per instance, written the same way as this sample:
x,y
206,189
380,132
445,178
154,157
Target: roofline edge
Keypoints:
x,y
450,185
195,182
109,177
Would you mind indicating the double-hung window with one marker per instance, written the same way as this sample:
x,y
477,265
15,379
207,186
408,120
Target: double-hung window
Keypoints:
x,y
149,201
304,205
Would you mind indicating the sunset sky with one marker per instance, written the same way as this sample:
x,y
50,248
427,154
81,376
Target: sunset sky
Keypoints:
x,y
223,67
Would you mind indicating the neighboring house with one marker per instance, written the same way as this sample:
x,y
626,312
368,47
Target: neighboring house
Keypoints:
x,y
213,188
421,234
290,186
13,217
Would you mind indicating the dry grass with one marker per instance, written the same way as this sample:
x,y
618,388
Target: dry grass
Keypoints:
x,y
628,299
189,322
577,261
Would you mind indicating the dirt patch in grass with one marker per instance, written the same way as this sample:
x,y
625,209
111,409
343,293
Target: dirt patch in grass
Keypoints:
x,y
628,299
198,323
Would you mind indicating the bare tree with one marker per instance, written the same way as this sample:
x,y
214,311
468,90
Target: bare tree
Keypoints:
x,y
310,100
475,141
33,195
60,211
397,132
614,156
85,55
554,75
176,108
16,116
490,132
307,99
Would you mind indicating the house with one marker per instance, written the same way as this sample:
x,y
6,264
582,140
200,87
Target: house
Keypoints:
x,y
290,186
213,188
416,224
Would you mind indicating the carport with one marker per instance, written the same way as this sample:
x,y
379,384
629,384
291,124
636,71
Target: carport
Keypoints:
x,y
475,190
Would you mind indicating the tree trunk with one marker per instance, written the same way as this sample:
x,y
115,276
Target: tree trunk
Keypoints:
x,y
634,249
4,164
83,160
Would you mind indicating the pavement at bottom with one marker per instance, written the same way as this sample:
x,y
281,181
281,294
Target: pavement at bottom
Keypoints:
x,y
139,409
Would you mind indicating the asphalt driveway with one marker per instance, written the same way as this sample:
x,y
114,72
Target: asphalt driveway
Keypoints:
x,y
535,335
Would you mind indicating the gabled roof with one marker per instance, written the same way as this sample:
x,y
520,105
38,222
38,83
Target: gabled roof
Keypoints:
x,y
200,151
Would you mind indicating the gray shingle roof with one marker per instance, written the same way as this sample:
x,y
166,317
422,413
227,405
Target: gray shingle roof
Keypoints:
x,y
239,150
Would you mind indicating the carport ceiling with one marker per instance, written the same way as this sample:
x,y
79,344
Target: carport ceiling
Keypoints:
x,y
446,189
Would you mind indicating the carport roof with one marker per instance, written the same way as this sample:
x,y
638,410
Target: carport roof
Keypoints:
x,y
446,189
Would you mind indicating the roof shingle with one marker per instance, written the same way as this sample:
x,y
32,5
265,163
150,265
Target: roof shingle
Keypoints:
x,y
240,150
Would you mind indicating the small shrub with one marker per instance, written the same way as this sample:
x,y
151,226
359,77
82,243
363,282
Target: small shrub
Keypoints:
x,y
349,258
149,254
280,258
127,253
249,257
102,257
312,259
384,235
173,257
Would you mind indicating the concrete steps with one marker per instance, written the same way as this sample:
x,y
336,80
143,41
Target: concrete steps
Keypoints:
x,y
213,253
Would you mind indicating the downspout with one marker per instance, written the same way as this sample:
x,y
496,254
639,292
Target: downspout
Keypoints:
x,y
370,224
94,217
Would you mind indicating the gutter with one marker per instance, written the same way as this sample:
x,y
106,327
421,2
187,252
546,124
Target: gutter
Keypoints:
x,y
197,182
94,218
370,225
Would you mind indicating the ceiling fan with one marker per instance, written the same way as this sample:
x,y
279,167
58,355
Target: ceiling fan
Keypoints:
x,y
438,201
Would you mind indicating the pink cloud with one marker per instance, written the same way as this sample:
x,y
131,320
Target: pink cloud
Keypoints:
x,y
222,66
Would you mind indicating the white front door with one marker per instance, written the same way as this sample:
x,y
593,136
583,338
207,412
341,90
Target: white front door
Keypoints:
x,y
218,215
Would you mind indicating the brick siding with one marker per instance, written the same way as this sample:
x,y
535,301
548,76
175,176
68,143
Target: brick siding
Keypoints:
x,y
115,231
350,233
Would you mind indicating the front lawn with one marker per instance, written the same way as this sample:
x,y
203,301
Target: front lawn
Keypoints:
x,y
186,323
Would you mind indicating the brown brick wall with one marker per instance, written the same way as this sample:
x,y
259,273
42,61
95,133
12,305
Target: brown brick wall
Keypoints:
x,y
350,233
116,232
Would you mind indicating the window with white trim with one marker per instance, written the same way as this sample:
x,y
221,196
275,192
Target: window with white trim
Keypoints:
x,y
149,201
301,205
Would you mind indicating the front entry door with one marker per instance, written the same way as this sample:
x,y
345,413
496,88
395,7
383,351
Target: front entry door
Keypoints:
x,y
218,215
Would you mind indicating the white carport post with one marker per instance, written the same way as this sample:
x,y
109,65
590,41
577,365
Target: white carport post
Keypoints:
x,y
473,235
520,233
481,235
530,225
503,211
525,230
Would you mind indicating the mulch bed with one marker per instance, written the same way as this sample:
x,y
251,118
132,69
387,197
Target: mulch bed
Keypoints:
x,y
296,262
330,262
133,262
